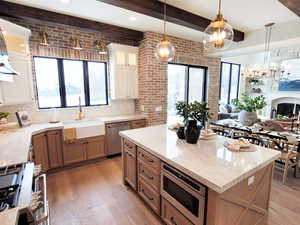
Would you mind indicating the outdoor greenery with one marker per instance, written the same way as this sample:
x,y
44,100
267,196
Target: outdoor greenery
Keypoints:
x,y
4,115
250,104
193,111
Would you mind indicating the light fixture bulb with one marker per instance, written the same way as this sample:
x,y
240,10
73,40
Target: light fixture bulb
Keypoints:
x,y
165,50
219,34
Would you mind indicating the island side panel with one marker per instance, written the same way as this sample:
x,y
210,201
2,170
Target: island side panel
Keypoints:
x,y
244,203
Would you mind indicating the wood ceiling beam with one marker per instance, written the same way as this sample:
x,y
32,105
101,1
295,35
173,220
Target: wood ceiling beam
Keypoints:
x,y
293,5
154,8
25,12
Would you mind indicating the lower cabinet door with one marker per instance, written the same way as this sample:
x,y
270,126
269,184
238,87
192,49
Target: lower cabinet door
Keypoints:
x,y
171,215
130,171
55,146
74,152
95,147
40,151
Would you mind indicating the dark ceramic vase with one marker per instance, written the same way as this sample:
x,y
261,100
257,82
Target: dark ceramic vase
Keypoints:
x,y
180,133
192,132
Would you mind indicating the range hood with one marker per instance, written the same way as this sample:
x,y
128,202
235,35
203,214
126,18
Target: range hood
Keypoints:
x,y
6,69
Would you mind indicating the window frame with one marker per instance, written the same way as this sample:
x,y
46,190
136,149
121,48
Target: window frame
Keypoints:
x,y
230,78
187,79
62,86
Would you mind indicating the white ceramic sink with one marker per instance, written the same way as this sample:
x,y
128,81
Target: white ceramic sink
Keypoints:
x,y
87,128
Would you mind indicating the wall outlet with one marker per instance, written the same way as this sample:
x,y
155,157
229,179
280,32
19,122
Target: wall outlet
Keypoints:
x,y
142,108
250,180
158,108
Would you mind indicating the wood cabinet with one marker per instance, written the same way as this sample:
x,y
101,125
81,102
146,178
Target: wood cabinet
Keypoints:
x,y
74,152
54,148
95,147
40,150
123,71
47,149
84,149
141,171
129,163
138,124
171,215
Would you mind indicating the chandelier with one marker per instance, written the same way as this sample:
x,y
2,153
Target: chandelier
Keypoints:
x,y
262,70
219,34
165,49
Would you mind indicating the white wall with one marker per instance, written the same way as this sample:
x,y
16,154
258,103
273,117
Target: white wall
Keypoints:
x,y
120,107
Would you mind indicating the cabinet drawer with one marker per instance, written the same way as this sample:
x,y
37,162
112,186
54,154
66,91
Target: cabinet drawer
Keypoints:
x,y
171,215
150,177
151,161
138,124
150,196
129,146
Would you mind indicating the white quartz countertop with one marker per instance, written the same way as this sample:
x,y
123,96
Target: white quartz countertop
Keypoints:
x,y
9,217
15,143
208,161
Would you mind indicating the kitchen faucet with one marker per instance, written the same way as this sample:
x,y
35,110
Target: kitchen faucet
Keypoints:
x,y
81,115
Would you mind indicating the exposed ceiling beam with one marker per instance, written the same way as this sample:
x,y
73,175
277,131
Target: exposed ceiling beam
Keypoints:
x,y
293,5
175,15
25,12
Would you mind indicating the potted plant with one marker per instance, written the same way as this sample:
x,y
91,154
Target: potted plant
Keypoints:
x,y
194,115
248,106
3,117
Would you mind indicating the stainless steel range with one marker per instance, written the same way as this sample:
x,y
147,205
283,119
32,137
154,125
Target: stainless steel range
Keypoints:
x,y
23,186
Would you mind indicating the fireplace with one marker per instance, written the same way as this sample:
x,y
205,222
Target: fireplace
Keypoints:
x,y
288,109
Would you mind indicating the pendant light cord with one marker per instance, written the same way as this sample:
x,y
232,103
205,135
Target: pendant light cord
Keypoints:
x,y
220,2
267,42
165,18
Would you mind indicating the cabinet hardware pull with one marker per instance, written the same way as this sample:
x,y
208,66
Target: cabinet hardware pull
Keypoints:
x,y
173,221
149,160
150,198
146,175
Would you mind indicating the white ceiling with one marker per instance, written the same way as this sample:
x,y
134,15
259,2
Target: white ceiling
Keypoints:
x,y
246,15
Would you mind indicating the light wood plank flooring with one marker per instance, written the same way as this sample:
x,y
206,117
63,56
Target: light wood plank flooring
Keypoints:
x,y
95,195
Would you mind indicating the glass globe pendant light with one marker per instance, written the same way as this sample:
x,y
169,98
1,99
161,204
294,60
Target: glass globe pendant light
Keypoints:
x,y
165,49
219,34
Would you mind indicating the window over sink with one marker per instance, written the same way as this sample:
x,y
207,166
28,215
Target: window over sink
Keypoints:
x,y
60,82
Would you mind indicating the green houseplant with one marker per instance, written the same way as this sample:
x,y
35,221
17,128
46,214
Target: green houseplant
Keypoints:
x,y
248,106
3,117
194,115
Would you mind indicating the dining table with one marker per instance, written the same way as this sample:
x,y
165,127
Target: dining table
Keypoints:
x,y
233,125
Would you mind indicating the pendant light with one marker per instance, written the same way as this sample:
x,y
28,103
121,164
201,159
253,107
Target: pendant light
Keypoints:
x,y
165,49
219,34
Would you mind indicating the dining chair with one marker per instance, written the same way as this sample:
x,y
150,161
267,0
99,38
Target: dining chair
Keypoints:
x,y
289,157
253,140
221,132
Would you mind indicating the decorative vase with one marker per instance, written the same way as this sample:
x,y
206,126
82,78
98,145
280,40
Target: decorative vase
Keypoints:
x,y
247,118
192,132
3,121
180,133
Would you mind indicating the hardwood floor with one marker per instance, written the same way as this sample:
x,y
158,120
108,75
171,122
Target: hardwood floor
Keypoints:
x,y
95,195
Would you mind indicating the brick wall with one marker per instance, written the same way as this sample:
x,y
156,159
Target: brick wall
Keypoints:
x,y
152,72
153,82
59,39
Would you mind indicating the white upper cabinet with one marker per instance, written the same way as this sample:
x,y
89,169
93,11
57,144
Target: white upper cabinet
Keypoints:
x,y
20,89
123,71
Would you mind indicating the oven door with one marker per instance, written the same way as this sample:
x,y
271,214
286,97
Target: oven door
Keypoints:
x,y
188,201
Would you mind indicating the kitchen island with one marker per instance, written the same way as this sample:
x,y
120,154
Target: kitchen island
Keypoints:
x,y
197,184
